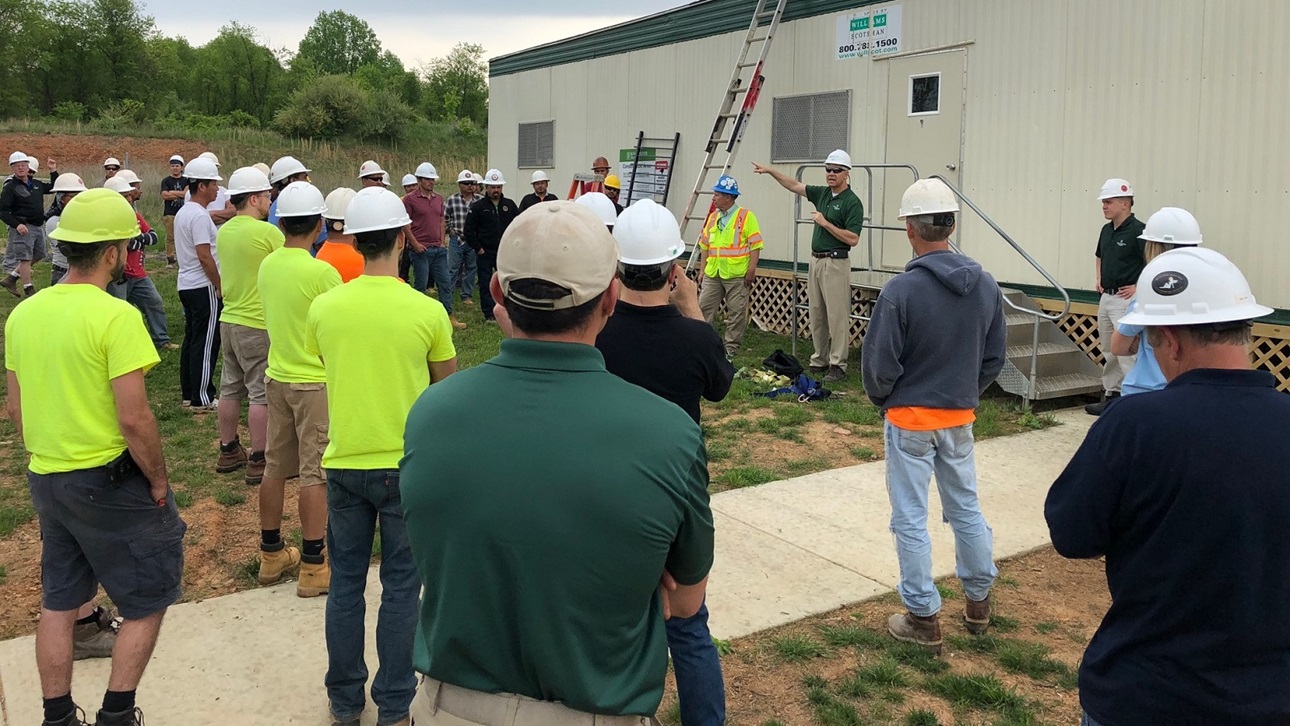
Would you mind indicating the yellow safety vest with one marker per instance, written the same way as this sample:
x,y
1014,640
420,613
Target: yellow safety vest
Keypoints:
x,y
730,249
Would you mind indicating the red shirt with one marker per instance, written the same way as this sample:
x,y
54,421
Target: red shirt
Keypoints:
x,y
427,217
134,258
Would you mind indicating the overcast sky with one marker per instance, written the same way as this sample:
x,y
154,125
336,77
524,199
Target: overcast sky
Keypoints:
x,y
414,31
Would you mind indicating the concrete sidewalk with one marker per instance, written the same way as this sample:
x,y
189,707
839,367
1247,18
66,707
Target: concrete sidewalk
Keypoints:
x,y
785,550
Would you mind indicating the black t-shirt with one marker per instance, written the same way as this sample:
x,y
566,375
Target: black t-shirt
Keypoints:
x,y
530,200
667,354
1122,253
170,184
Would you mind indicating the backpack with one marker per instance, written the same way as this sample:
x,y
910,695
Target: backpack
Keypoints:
x,y
783,364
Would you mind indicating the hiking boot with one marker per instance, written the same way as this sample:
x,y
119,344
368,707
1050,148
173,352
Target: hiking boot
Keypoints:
x,y
10,283
976,615
909,628
96,639
1096,409
76,717
314,580
273,565
456,323
133,717
231,456
835,374
817,370
346,721
467,301
255,470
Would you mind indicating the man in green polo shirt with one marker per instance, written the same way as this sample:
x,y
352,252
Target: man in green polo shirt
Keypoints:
x,y
1120,259
542,560
838,217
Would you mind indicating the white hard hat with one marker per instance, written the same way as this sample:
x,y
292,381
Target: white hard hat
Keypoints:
x,y
210,156
538,176
33,163
176,158
262,167
369,168
111,161
601,205
1172,225
494,178
202,169
927,196
839,157
337,202
409,180
385,178
1113,188
478,179
466,175
286,167
426,170
247,180
118,185
648,234
375,208
17,157
129,176
1193,286
300,199
68,182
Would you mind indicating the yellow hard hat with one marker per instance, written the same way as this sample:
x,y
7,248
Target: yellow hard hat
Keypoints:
x,y
612,182
97,215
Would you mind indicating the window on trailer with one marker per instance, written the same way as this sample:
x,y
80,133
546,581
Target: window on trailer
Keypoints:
x,y
806,128
537,145
925,94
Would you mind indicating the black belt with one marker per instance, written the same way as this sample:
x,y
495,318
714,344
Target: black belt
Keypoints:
x,y
1112,290
832,254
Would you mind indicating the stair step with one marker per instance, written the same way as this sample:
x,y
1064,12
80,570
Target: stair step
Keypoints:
x,y
1022,319
1066,385
1023,351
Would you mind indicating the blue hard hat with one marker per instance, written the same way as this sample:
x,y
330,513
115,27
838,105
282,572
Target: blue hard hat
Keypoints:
x,y
727,185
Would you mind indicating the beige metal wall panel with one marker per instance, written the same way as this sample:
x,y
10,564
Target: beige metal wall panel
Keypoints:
x,y
576,113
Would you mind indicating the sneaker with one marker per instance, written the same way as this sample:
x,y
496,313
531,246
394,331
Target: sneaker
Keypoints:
x,y
96,639
133,717
10,283
835,374
211,407
231,457
730,355
909,628
76,717
976,615
273,565
168,346
254,470
467,301
457,323
314,580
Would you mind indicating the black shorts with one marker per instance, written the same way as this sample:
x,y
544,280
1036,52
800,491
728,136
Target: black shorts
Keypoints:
x,y
98,527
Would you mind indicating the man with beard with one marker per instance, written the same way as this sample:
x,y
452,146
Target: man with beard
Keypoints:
x,y
488,219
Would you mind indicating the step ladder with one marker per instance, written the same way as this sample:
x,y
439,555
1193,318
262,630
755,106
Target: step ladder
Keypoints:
x,y
725,138
585,183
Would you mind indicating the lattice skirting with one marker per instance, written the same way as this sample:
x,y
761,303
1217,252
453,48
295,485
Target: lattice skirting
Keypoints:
x,y
771,308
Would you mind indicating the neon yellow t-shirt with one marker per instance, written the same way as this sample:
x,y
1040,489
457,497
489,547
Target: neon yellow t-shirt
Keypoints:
x,y
242,244
65,346
290,279
375,336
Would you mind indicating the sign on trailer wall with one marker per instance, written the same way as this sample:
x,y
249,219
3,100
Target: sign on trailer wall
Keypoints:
x,y
651,175
870,32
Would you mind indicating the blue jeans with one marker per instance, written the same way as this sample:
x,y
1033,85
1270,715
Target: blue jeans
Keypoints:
x,y
1087,720
912,456
141,293
433,263
356,501
699,685
461,265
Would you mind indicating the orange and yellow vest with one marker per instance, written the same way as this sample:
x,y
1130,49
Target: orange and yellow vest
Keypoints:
x,y
729,249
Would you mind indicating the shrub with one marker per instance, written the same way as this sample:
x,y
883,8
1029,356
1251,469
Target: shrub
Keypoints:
x,y
70,111
327,108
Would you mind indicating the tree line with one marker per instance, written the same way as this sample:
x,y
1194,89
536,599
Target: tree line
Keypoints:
x,y
105,61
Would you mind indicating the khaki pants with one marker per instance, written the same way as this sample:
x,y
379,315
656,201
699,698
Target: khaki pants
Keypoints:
x,y
829,295
169,222
735,295
1109,311
442,704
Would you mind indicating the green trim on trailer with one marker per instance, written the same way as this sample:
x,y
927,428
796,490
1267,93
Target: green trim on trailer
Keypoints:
x,y
689,22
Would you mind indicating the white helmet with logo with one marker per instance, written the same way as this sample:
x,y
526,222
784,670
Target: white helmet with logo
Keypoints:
x,y
68,182
426,170
927,196
1172,225
375,208
1193,286
369,168
494,178
839,157
1115,188
648,234
465,176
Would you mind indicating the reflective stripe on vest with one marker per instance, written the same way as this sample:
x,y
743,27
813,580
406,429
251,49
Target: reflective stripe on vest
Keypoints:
x,y
738,247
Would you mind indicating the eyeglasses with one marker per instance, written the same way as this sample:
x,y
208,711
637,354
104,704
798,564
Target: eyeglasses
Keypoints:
x,y
834,169
112,168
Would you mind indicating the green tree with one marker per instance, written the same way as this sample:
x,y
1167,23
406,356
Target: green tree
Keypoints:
x,y
339,43
457,85
237,73
327,108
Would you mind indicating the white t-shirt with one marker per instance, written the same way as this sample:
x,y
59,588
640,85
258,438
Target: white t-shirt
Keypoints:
x,y
193,226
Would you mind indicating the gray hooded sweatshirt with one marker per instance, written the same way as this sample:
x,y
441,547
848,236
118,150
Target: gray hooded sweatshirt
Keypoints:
x,y
937,335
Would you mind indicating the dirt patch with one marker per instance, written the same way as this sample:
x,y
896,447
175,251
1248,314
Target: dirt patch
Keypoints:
x,y
75,150
1044,599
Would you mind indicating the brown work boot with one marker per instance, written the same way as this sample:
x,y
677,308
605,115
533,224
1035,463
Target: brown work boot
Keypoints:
x,y
231,457
273,565
10,283
255,469
314,580
910,628
456,323
96,639
976,615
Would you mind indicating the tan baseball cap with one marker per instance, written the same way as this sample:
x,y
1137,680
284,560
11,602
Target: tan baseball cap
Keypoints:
x,y
562,243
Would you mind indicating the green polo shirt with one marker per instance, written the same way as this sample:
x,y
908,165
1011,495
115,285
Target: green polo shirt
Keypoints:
x,y
1121,253
845,211
544,497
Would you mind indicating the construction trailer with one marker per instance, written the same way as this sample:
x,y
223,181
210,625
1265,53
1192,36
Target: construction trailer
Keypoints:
x,y
1024,106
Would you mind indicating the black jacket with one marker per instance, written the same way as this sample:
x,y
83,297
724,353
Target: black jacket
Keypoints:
x,y
530,200
21,204
486,223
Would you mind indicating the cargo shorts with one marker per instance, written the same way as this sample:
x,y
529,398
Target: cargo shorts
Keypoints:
x,y
101,525
246,358
297,435
28,247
